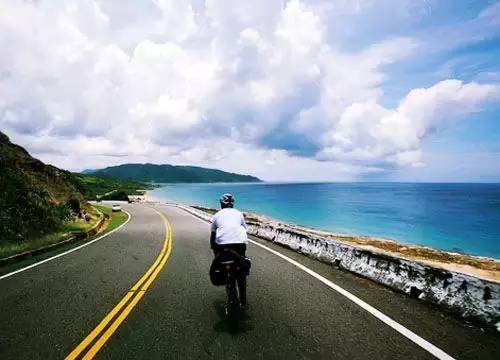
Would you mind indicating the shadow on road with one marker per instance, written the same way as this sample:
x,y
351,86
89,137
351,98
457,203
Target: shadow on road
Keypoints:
x,y
233,326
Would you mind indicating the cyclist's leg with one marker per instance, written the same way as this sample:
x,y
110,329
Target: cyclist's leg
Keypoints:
x,y
217,249
242,289
242,279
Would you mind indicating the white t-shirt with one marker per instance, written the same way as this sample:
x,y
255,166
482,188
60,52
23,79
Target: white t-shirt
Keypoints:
x,y
229,227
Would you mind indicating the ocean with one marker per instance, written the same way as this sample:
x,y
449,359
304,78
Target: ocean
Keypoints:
x,y
462,218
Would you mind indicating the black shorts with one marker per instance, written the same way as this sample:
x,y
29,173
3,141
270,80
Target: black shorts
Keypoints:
x,y
240,249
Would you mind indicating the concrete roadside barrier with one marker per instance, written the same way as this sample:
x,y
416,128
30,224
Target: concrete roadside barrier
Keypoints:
x,y
470,297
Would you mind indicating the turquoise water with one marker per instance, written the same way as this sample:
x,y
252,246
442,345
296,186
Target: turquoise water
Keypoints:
x,y
455,217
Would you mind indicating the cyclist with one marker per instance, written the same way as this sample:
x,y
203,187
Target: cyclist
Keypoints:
x,y
229,231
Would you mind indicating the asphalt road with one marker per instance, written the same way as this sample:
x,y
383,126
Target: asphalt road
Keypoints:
x,y
47,311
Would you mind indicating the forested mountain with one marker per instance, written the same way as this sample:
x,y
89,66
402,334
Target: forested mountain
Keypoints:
x,y
171,174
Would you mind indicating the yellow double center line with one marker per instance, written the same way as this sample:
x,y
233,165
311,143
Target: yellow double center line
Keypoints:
x,y
98,337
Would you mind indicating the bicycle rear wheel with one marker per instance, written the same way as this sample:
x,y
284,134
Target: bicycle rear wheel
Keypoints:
x,y
233,302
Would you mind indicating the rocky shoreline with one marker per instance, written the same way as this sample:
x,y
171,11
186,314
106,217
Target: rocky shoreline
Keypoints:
x,y
479,266
468,286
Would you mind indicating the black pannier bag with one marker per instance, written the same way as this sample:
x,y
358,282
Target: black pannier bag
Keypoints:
x,y
217,273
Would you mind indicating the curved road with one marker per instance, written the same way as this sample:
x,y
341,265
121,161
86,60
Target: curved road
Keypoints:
x,y
48,310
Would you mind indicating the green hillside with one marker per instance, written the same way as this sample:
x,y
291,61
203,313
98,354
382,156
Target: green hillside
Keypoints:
x,y
171,174
94,186
33,195
36,199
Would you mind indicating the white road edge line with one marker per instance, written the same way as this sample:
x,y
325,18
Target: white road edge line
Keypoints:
x,y
437,352
66,252
424,344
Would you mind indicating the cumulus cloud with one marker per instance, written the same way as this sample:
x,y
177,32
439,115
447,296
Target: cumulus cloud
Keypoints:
x,y
100,82
367,132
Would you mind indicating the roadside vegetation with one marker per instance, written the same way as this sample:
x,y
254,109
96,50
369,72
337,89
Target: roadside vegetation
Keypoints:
x,y
28,214
40,204
93,212
61,229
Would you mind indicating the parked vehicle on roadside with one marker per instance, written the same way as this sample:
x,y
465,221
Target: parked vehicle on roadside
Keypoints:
x,y
116,207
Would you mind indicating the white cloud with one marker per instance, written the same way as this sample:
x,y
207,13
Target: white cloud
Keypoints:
x,y
177,18
348,79
369,133
181,81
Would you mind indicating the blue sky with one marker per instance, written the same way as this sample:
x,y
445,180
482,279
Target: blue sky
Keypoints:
x,y
297,90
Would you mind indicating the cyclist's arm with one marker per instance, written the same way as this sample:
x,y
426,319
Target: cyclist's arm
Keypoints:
x,y
243,223
213,229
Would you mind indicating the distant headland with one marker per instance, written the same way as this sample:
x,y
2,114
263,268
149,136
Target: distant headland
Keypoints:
x,y
170,174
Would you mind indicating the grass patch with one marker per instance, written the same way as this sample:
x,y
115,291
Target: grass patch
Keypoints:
x,y
115,218
82,224
10,248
